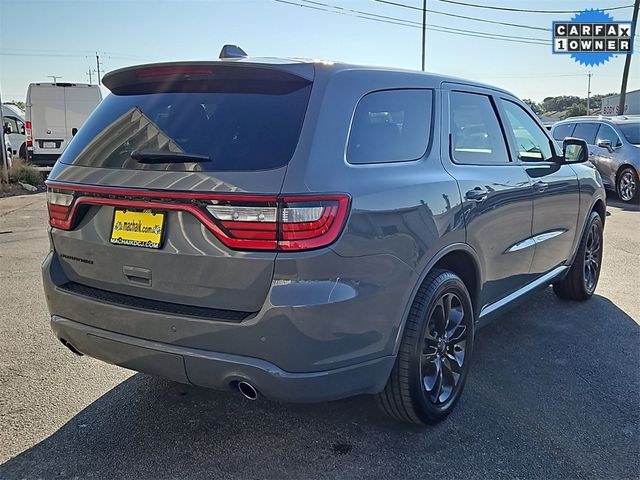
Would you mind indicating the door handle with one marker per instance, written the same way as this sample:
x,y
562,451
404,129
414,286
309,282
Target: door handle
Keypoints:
x,y
478,194
540,186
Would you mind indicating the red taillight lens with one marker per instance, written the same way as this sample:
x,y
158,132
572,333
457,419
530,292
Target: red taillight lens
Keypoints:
x,y
312,222
247,226
60,205
292,223
27,131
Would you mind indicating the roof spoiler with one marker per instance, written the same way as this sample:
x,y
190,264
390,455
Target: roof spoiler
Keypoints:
x,y
232,51
207,76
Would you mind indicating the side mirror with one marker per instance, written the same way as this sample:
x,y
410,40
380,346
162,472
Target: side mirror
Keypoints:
x,y
575,150
605,144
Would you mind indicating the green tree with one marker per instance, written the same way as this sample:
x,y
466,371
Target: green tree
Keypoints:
x,y
18,103
537,109
576,110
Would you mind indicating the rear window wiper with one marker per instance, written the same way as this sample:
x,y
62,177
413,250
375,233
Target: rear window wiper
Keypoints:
x,y
165,156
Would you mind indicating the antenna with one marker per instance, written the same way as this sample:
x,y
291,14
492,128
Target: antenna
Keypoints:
x,y
55,78
232,51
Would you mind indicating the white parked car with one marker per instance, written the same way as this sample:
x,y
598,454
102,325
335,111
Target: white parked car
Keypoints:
x,y
55,112
14,127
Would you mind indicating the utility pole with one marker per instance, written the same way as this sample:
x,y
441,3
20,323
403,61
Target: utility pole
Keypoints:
x,y
55,78
89,75
98,67
589,93
627,61
424,32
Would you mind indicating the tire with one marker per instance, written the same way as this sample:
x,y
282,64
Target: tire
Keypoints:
x,y
582,279
627,185
434,356
23,152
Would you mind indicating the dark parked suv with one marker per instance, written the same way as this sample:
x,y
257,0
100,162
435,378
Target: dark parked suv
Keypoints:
x,y
311,231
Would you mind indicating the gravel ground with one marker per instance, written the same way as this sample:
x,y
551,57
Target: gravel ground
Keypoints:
x,y
554,392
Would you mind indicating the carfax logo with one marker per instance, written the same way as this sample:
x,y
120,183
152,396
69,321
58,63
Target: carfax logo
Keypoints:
x,y
592,37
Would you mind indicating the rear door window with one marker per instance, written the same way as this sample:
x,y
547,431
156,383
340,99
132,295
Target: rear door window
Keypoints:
x,y
605,132
586,131
476,136
391,126
237,129
560,132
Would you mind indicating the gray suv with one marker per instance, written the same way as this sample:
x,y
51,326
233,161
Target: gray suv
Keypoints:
x,y
614,148
310,231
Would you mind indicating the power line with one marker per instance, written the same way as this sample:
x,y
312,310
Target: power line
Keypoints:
x,y
32,52
360,12
525,10
10,54
466,17
409,23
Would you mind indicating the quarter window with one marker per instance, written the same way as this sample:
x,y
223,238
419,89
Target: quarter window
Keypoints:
x,y
586,131
631,131
391,126
605,132
476,136
560,132
532,143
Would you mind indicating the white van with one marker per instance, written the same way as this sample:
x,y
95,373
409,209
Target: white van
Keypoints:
x,y
55,112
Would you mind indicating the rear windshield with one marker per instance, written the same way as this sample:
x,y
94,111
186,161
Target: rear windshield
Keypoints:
x,y
239,131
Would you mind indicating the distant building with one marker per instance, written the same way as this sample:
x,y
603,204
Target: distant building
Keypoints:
x,y
631,107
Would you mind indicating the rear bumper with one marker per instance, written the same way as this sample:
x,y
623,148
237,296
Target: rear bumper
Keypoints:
x,y
313,340
221,370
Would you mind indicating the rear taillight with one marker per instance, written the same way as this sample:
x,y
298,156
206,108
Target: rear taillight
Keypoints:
x,y
311,222
246,225
241,222
27,131
60,205
292,223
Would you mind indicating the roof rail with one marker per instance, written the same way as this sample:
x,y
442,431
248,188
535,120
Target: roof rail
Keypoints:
x,y
232,51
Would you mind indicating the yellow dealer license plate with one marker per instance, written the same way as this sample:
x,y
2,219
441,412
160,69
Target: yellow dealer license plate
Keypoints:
x,y
137,228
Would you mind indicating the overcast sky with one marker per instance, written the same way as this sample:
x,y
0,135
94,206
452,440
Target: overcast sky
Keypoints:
x,y
56,37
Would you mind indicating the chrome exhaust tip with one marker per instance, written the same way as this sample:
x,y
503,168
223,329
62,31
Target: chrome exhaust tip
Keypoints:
x,y
247,390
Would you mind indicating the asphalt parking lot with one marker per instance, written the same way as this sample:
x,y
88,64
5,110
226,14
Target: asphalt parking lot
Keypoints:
x,y
554,392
